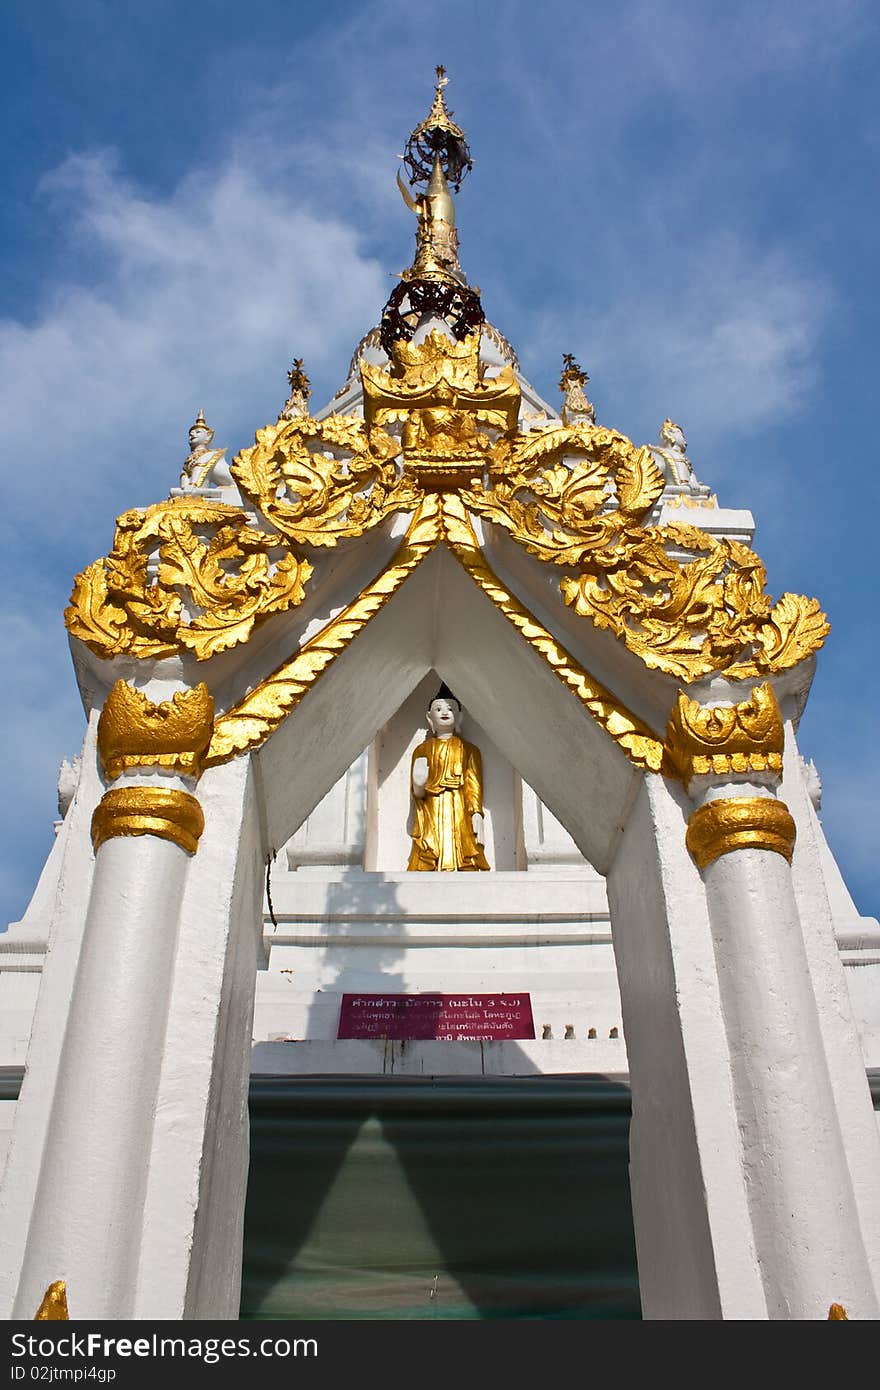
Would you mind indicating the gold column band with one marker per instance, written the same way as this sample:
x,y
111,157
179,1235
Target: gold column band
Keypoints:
x,y
754,822
162,811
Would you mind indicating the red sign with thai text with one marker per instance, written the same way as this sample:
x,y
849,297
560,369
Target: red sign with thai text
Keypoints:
x,y
436,1017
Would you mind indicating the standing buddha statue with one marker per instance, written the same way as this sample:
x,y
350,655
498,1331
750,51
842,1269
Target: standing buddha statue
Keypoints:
x,y
446,782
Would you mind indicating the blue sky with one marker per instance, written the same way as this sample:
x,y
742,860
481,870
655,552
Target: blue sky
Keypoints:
x,y
683,194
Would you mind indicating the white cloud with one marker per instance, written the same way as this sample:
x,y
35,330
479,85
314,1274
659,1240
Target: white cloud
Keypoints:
x,y
737,349
196,300
726,345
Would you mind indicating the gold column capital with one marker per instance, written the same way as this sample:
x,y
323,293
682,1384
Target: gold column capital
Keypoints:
x,y
721,739
133,732
749,822
162,811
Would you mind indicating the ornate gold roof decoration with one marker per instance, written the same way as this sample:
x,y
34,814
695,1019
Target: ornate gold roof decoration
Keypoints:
x,y
690,605
322,481
442,440
195,575
188,574
441,394
438,136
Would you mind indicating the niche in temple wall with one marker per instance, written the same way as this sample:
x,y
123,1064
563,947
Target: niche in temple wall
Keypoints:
x,y
364,821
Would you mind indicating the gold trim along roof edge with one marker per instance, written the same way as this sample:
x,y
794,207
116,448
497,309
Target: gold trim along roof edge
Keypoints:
x,y
440,518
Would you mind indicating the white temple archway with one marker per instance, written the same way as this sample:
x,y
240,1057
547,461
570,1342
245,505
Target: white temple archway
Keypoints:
x,y
238,649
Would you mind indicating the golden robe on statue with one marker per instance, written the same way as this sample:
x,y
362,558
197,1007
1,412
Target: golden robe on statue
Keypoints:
x,y
443,835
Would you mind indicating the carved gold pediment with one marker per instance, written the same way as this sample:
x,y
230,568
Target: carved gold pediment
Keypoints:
x,y
197,575
188,574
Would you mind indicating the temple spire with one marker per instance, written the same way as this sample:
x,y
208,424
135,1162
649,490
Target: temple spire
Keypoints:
x,y
438,134
436,158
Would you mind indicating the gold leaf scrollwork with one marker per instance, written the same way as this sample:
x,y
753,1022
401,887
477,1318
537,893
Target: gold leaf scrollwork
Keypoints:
x,y
195,575
684,602
689,605
564,513
188,574
319,497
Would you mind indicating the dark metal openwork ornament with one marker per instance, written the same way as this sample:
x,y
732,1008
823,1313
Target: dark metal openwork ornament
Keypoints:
x,y
411,300
438,134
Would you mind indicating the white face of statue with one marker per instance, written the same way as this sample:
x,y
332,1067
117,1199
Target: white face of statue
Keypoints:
x,y
199,438
443,716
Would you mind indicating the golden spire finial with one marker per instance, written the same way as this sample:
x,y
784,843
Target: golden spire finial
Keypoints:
x,y
436,155
298,378
438,113
436,135
297,403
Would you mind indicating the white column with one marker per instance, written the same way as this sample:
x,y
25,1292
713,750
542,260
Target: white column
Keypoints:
x,y
803,1211
89,1199
694,1242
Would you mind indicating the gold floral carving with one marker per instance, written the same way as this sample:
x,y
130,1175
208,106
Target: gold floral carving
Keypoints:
x,y
134,732
721,827
690,605
685,603
635,739
747,737
254,718
322,481
568,513
162,811
188,574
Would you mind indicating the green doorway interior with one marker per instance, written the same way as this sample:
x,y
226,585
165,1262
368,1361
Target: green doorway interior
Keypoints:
x,y
403,1198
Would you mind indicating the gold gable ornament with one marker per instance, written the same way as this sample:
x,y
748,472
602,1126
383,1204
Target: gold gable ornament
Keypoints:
x,y
446,402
